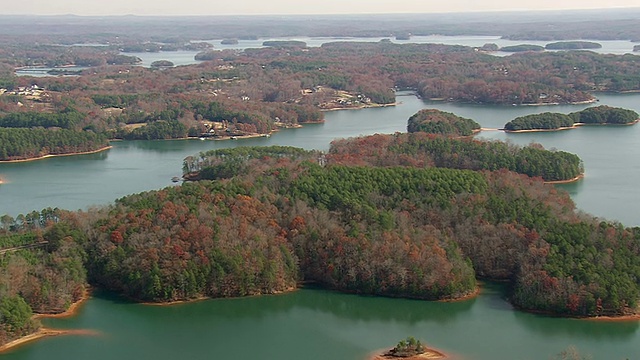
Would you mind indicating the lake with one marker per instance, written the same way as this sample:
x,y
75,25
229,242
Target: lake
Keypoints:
x,y
313,323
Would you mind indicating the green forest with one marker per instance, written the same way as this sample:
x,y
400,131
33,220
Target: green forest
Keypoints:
x,y
46,276
27,143
597,115
428,150
441,122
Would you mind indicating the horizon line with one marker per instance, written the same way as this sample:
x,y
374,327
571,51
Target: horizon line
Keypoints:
x,y
474,12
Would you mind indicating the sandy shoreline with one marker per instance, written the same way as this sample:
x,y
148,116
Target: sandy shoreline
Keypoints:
x,y
71,311
575,126
57,155
42,333
46,332
542,130
568,181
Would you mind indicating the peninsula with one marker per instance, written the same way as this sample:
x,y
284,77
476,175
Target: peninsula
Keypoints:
x,y
42,157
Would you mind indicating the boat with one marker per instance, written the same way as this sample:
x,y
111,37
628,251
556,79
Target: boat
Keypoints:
x,y
175,179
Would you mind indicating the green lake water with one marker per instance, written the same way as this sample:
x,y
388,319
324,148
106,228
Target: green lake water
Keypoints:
x,y
313,323
316,324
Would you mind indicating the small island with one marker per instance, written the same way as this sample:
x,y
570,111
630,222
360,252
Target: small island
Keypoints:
x,y
605,115
546,121
441,122
522,48
573,45
597,115
410,349
636,48
160,64
229,42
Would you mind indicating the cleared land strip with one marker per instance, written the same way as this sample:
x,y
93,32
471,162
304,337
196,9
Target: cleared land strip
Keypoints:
x,y
28,246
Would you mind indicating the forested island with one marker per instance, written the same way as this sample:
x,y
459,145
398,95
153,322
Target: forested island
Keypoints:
x,y
597,115
162,64
441,122
573,45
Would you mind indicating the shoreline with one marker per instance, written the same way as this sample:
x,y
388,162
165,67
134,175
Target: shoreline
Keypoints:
x,y
621,318
47,332
557,103
204,298
542,130
472,295
55,155
42,333
360,107
598,318
71,311
453,101
568,181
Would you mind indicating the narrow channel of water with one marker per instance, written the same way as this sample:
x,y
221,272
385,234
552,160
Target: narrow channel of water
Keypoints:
x,y
76,182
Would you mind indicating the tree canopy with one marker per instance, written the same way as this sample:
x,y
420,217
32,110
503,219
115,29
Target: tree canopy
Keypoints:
x,y
441,122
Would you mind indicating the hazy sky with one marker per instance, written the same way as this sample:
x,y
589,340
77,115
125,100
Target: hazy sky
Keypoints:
x,y
250,7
